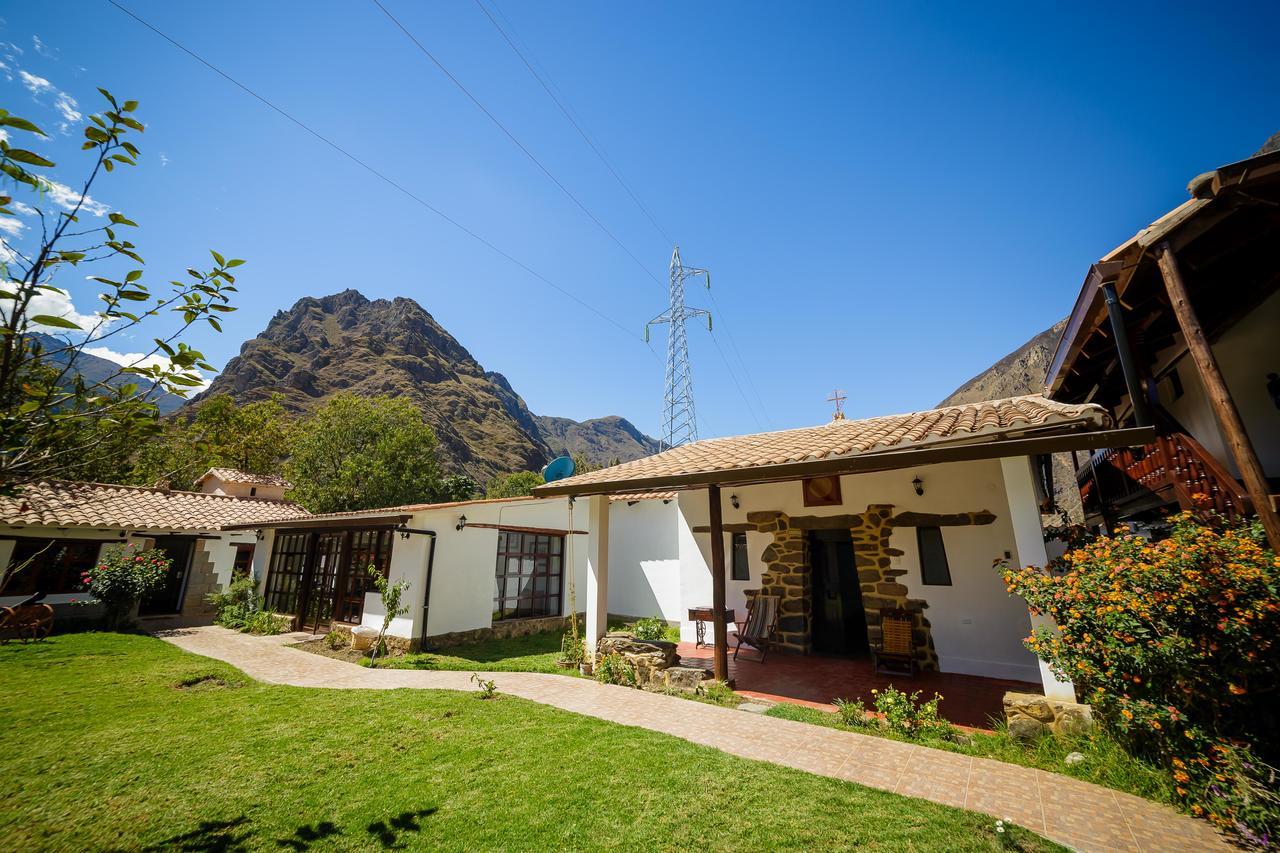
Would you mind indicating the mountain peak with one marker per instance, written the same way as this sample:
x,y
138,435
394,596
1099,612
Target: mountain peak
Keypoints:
x,y
345,342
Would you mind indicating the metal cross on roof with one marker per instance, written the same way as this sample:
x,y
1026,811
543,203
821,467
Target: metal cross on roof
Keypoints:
x,y
838,397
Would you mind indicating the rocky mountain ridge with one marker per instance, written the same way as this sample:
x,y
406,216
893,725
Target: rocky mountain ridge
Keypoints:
x,y
346,342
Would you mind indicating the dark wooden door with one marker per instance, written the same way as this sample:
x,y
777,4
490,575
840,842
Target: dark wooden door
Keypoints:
x,y
322,581
839,624
167,599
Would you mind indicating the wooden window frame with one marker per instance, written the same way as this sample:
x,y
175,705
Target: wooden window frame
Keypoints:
x,y
924,568
287,564
544,552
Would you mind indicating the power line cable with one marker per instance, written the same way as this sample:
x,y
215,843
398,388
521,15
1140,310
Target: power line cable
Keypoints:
x,y
381,176
544,80
750,409
516,141
745,372
568,115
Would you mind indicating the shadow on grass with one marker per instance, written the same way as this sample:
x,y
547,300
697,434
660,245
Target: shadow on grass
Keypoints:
x,y
211,836
388,832
304,836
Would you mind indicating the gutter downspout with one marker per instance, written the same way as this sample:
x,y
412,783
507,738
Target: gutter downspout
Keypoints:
x,y
431,561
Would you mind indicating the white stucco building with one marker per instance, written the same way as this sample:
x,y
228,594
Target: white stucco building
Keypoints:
x,y
842,522
53,530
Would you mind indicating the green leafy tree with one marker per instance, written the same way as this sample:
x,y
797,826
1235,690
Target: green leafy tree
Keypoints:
x,y
514,485
45,402
217,434
457,487
361,453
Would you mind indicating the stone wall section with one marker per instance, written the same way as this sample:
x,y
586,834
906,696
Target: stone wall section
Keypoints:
x,y
787,571
201,580
786,575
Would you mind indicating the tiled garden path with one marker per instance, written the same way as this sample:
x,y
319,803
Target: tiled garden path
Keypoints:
x,y
1074,813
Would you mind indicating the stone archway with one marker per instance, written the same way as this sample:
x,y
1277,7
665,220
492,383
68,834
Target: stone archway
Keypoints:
x,y
787,569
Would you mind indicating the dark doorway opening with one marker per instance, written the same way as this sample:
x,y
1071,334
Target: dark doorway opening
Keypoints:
x,y
167,600
839,624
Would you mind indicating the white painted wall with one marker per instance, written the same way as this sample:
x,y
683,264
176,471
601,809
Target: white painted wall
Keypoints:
x,y
644,559
462,582
1246,354
977,627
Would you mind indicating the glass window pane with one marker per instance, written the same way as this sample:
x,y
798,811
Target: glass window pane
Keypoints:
x,y
933,557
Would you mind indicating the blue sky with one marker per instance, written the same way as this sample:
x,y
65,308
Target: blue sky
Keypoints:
x,y
890,197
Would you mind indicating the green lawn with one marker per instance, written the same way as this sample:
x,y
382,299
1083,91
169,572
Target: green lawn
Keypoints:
x,y
532,653
125,742
1105,762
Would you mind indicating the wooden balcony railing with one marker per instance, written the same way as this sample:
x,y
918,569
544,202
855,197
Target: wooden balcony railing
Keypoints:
x,y
1116,482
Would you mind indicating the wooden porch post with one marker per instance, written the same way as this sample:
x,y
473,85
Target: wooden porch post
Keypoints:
x,y
720,632
1224,407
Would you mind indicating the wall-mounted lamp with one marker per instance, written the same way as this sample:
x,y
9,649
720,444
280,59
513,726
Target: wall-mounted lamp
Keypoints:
x,y
462,522
918,485
404,533
733,499
260,534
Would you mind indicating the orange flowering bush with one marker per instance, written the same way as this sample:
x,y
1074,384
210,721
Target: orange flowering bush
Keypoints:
x,y
1174,643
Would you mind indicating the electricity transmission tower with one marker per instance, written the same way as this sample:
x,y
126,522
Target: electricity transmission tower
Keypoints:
x,y
679,424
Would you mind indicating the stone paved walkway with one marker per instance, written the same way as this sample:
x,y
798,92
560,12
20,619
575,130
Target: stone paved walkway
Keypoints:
x,y
1080,815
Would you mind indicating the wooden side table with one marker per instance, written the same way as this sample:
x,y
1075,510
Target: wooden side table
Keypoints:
x,y
699,616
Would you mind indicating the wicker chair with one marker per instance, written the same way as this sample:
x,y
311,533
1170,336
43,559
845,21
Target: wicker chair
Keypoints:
x,y
761,625
896,653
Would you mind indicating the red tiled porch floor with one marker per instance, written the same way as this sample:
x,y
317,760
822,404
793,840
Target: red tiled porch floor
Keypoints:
x,y
816,680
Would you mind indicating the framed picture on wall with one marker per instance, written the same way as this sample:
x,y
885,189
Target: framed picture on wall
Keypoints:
x,y
821,491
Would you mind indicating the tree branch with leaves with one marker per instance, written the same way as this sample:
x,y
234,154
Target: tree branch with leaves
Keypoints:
x,y
54,422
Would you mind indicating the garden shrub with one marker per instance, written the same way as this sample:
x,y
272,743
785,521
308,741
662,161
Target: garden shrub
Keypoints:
x,y
614,669
853,713
572,650
907,715
239,607
1174,644
122,578
236,604
649,628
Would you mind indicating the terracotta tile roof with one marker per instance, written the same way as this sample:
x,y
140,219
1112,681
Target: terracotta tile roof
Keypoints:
x,y
846,438
235,475
61,503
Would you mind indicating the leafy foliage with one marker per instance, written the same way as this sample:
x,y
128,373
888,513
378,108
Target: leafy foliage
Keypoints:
x,y
121,579
392,606
218,433
488,689
457,487
54,422
239,607
1174,644
514,485
572,650
614,669
649,628
906,714
362,453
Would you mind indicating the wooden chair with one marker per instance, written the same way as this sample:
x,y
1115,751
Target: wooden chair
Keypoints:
x,y
761,625
25,622
896,652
